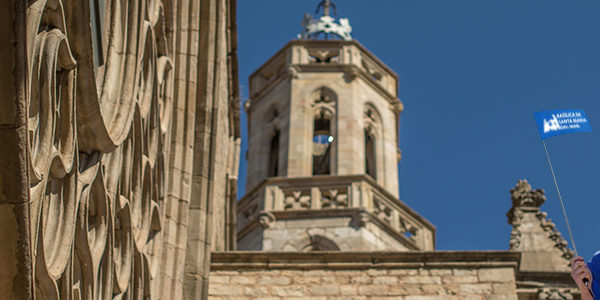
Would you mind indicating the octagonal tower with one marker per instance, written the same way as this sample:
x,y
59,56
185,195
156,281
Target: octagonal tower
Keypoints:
x,y
323,127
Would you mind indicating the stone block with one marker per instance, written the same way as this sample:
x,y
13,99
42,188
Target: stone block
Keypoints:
x,y
421,279
439,272
375,272
279,280
480,288
401,290
242,279
292,273
319,273
308,280
404,272
497,275
225,273
504,288
360,279
459,279
437,289
288,291
348,290
464,272
389,280
262,273
373,290
219,279
225,290
324,290
256,291
347,273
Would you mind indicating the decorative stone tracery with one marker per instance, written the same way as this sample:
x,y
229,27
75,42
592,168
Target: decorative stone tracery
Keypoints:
x,y
110,138
97,156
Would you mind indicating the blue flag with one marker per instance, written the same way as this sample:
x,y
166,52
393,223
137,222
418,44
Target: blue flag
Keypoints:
x,y
561,121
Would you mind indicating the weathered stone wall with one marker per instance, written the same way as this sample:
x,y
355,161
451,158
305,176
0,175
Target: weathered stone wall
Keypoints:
x,y
358,276
120,138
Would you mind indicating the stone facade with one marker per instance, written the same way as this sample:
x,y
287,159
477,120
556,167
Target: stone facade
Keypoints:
x,y
111,116
375,275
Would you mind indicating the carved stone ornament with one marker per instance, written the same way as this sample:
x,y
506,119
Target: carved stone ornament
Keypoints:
x,y
363,218
293,72
327,25
523,196
555,294
265,219
96,167
531,224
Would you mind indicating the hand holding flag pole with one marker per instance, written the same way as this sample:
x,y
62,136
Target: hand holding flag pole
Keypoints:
x,y
556,122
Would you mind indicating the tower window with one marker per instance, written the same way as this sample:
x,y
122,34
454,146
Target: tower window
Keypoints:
x,y
322,140
370,161
274,155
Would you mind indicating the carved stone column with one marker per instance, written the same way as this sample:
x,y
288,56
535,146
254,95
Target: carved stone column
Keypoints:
x,y
16,274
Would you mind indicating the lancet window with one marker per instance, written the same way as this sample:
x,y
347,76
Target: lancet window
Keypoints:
x,y
370,157
372,138
274,155
324,128
322,140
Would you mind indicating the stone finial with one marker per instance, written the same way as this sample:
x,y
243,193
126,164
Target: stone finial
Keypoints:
x,y
523,195
543,247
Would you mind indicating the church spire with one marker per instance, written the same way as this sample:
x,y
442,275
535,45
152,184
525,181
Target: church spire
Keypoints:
x,y
325,25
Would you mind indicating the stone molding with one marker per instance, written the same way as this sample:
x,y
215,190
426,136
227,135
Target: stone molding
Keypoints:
x,y
326,56
325,260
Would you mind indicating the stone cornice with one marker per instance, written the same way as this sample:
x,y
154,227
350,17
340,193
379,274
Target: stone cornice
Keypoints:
x,y
238,260
281,63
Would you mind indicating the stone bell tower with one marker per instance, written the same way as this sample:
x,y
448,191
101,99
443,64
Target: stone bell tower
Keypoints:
x,y
323,126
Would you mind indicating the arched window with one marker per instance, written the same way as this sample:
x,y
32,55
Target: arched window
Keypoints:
x,y
370,157
322,140
274,155
320,243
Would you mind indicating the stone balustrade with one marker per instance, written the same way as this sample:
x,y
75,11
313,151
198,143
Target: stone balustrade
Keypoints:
x,y
334,196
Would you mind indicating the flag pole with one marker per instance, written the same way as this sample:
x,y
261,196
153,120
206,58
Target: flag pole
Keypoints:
x,y
560,198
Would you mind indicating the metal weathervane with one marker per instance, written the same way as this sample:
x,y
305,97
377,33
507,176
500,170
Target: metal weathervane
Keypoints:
x,y
326,24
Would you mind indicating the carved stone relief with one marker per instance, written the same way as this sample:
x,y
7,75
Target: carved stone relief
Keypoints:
x,y
97,164
555,294
532,231
334,199
297,201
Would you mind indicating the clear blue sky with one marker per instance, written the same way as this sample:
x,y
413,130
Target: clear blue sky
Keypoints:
x,y
471,75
